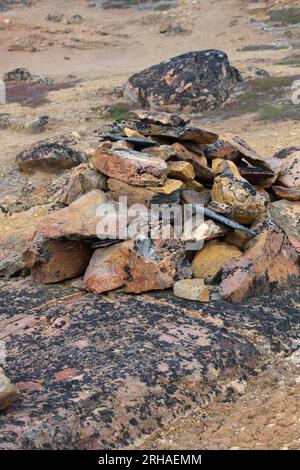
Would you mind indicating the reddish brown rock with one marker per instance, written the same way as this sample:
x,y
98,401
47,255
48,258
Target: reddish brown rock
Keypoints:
x,y
246,151
131,167
137,266
78,220
53,261
290,194
82,180
270,261
202,171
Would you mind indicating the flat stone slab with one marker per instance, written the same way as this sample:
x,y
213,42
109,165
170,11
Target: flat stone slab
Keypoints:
x,y
102,372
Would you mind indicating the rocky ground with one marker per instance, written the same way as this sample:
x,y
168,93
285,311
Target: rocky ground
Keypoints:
x,y
197,366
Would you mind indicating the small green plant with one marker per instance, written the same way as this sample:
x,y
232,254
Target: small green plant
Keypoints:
x,y
287,15
279,113
119,112
162,7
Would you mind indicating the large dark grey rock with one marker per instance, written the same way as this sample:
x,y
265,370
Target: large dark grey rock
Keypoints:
x,y
194,81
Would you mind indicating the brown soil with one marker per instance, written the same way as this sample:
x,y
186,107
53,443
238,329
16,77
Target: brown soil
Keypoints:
x,y
101,53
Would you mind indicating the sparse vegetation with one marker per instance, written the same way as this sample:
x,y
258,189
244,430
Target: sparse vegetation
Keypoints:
x,y
292,60
119,112
287,15
279,113
162,7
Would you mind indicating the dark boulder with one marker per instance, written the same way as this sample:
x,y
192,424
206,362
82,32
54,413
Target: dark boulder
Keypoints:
x,y
194,81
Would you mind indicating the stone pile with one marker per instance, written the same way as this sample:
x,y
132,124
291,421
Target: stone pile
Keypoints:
x,y
249,237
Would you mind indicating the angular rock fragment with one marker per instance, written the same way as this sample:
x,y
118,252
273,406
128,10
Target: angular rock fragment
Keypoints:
x,y
49,155
209,261
194,185
194,81
290,194
246,151
256,175
269,262
246,204
207,230
78,220
281,154
183,133
183,171
170,186
82,180
191,289
138,266
286,215
289,175
190,196
162,151
219,166
155,117
202,172
8,392
53,261
131,167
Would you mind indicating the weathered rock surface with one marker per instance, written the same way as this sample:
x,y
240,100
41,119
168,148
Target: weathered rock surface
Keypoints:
x,y
131,167
181,170
269,262
137,266
17,75
207,230
194,81
169,187
49,155
82,180
286,215
202,172
209,261
246,204
246,151
155,117
191,289
53,261
163,151
290,194
290,171
190,196
8,392
133,363
78,220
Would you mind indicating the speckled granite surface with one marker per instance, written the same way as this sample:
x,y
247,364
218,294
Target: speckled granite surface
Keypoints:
x,y
103,371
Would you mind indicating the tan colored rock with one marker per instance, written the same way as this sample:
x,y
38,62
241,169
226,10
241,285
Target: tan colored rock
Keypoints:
x,y
162,151
133,133
286,214
82,180
158,117
209,261
237,238
290,171
191,289
246,204
132,167
8,392
207,230
164,26
183,171
270,261
194,185
122,145
202,171
246,150
290,194
135,194
169,187
137,266
78,220
53,261
219,166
